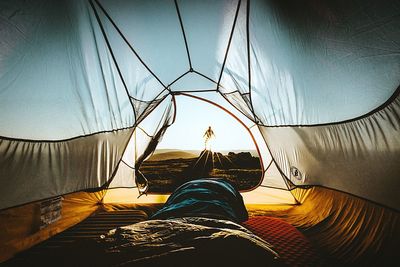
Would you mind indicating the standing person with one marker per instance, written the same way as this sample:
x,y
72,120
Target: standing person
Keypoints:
x,y
207,137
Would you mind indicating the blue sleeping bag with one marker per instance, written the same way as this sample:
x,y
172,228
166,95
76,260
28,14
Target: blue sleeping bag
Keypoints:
x,y
211,198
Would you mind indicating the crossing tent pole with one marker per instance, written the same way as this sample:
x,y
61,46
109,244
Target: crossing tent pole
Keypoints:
x,y
184,36
112,55
248,55
229,44
128,43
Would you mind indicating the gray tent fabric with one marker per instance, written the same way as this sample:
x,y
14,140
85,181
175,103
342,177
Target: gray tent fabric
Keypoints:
x,y
358,157
55,72
314,62
78,77
36,170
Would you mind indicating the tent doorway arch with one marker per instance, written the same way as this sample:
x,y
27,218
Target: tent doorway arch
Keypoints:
x,y
271,188
182,154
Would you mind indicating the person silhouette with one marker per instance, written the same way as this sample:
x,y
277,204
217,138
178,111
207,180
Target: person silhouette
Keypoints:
x,y
207,137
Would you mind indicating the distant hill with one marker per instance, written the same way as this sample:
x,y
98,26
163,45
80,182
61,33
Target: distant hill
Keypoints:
x,y
252,152
165,154
167,169
173,154
164,150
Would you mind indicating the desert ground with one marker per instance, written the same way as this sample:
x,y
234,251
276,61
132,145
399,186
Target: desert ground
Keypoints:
x,y
167,169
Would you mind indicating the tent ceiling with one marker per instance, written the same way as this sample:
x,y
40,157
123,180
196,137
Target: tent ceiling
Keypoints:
x,y
54,57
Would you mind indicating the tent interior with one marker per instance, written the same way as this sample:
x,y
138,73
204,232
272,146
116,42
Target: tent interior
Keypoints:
x,y
89,90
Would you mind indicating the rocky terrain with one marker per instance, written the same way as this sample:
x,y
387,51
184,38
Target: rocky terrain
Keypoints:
x,y
165,175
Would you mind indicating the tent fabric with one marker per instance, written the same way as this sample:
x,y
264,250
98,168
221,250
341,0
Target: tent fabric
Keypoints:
x,y
344,52
124,176
348,156
20,225
57,72
343,226
32,170
90,72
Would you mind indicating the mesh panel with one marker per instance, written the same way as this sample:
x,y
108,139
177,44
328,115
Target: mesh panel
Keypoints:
x,y
146,133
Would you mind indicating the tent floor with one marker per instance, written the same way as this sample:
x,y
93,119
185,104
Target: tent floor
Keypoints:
x,y
94,226
294,248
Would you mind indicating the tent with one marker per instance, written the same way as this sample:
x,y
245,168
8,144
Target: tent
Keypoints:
x,y
87,88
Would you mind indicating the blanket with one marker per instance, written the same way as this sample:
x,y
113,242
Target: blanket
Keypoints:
x,y
190,241
211,198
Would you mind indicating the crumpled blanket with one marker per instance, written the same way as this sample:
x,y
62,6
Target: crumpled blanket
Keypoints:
x,y
190,241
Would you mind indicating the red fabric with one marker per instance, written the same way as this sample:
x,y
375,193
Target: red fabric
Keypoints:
x,y
292,246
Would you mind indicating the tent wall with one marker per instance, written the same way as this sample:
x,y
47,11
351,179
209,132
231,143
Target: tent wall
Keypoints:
x,y
311,65
360,157
345,227
65,114
20,225
57,77
324,61
32,170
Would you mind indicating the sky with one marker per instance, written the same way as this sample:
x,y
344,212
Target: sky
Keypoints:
x,y
192,120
